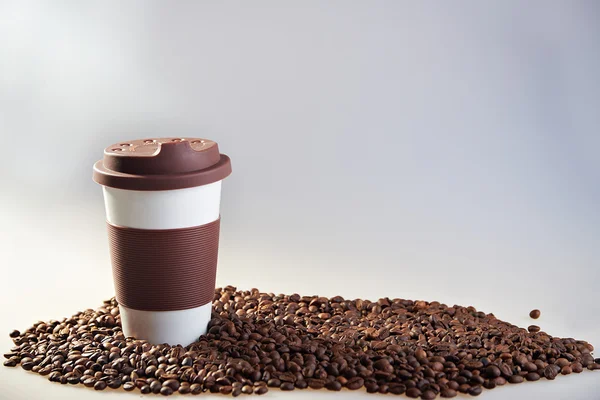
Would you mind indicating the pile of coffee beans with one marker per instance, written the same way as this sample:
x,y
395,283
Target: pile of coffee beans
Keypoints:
x,y
257,341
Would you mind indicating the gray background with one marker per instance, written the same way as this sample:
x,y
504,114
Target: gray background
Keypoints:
x,y
432,150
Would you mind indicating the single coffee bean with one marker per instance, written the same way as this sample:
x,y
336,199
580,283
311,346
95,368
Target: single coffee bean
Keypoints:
x,y
515,379
551,371
89,382
287,386
14,334
532,376
273,382
533,328
576,367
155,387
166,391
260,390
428,395
195,388
145,389
535,314
10,363
448,393
100,385
301,384
172,383
396,388
530,367
413,393
355,383
187,362
492,371
247,389
333,385
566,370
489,384
316,383
129,386
475,390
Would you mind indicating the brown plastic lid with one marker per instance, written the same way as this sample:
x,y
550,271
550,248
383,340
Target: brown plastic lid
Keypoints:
x,y
161,164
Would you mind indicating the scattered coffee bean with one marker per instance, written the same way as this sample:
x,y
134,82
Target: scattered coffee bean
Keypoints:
x,y
492,371
355,383
532,376
166,391
261,390
535,314
551,371
533,328
259,340
515,379
448,393
413,393
566,370
576,368
10,363
475,390
14,334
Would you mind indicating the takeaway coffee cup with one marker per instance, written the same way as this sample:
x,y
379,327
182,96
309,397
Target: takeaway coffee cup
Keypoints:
x,y
162,199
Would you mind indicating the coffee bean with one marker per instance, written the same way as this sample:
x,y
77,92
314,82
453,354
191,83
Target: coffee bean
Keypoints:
x,y
172,383
184,389
532,376
287,386
500,381
475,391
492,371
145,389
515,379
10,363
535,314
529,367
396,388
413,393
129,386
355,383
195,388
100,385
576,367
273,382
187,362
566,370
89,382
551,371
371,386
333,385
260,390
428,395
533,328
155,387
166,391
562,362
448,393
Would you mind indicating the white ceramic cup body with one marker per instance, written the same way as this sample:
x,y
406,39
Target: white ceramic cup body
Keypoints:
x,y
164,209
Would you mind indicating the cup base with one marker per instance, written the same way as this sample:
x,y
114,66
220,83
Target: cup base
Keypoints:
x,y
172,327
